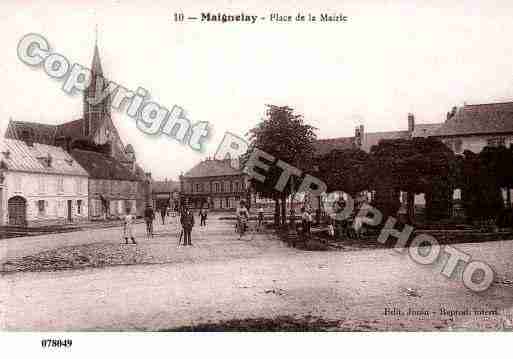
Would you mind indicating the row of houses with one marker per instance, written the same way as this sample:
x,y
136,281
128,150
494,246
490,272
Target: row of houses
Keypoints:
x,y
70,172
218,185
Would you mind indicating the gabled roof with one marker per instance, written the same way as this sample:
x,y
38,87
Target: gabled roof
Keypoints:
x,y
491,118
426,129
100,166
325,146
165,186
212,168
39,132
19,156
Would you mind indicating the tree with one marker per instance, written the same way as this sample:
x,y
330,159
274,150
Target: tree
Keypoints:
x,y
481,177
284,135
345,170
418,165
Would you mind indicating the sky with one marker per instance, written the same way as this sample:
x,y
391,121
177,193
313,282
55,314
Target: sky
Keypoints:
x,y
390,58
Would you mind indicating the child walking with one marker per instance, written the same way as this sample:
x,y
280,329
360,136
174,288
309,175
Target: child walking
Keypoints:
x,y
128,226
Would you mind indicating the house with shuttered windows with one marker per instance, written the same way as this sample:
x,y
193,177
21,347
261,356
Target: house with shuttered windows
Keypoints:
x,y
40,185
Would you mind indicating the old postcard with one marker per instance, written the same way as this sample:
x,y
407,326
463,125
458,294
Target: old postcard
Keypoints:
x,y
248,166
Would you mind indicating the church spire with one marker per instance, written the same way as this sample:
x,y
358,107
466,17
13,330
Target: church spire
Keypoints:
x,y
95,113
96,66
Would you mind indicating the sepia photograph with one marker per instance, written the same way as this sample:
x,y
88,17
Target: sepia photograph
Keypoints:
x,y
171,167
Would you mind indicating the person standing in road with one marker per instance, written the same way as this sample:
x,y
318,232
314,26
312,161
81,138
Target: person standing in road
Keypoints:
x,y
203,217
187,221
306,221
260,218
242,218
163,211
128,226
149,217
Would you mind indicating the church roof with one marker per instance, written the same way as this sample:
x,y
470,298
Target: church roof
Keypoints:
x,y
101,166
19,156
212,168
491,118
38,132
96,66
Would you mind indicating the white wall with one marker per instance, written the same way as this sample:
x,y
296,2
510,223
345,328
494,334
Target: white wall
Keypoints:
x,y
474,143
34,187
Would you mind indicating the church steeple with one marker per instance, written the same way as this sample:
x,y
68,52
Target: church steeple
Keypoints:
x,y
95,112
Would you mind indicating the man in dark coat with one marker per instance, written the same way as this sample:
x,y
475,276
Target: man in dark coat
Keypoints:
x,y
187,221
149,217
163,212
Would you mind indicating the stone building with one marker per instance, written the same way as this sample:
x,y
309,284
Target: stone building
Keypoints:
x,y
166,194
94,132
214,184
112,187
40,185
472,127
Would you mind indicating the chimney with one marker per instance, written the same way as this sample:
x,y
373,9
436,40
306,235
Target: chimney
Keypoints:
x,y
452,113
411,123
358,136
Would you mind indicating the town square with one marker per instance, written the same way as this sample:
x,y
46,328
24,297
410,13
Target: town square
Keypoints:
x,y
308,182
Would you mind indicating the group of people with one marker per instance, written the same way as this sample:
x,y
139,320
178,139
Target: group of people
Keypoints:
x,y
186,221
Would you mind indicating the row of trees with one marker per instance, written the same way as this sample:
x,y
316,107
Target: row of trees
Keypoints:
x,y
414,166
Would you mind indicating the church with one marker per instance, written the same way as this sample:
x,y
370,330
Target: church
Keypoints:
x,y
116,181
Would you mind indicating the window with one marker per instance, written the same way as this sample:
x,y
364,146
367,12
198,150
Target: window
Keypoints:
x,y
42,187
41,207
60,184
496,141
79,206
18,180
458,145
198,187
216,187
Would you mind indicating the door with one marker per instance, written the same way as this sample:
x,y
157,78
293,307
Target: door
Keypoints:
x,y
17,210
70,203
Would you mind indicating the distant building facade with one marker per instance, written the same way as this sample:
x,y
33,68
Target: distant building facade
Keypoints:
x,y
112,187
166,194
40,185
473,127
214,184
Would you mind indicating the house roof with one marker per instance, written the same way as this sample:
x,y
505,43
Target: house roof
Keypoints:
x,y
100,166
372,138
325,146
426,129
165,186
19,156
212,168
489,118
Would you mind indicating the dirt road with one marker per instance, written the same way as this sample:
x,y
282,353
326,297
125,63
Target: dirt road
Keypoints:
x,y
253,279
